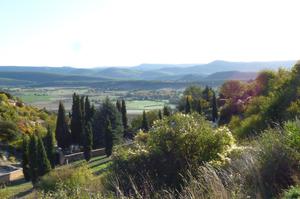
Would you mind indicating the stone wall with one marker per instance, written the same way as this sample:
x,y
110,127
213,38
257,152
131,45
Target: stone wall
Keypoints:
x,y
12,176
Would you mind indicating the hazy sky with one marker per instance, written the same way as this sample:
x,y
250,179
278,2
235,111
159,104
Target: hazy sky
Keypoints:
x,y
89,33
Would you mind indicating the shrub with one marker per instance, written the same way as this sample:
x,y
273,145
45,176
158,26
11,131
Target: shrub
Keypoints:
x,y
69,177
174,145
292,193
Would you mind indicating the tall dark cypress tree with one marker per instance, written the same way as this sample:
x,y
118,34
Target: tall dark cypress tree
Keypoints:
x,y
145,123
89,112
166,111
76,121
25,158
109,138
214,108
124,115
160,114
33,161
49,144
82,109
62,134
44,165
119,106
199,107
188,105
88,143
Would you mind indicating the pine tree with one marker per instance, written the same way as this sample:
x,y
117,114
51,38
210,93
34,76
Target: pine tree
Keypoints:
x,y
188,105
62,134
199,107
108,138
44,165
166,111
76,121
33,161
49,144
124,115
88,144
119,106
25,158
160,114
214,108
145,124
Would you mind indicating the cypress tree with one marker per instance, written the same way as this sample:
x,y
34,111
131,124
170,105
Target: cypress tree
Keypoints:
x,y
42,159
25,158
89,112
159,114
119,106
188,105
88,144
145,124
166,111
82,108
50,146
62,134
108,138
199,107
124,115
214,108
33,162
76,121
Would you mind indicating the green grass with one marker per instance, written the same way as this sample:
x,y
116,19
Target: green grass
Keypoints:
x,y
35,98
144,105
17,189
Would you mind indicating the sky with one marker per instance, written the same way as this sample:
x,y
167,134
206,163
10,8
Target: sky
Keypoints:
x,y
94,33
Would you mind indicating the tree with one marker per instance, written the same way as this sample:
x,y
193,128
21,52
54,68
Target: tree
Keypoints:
x,y
108,138
145,124
199,107
44,165
77,120
160,114
82,108
188,105
124,115
214,108
33,162
106,110
25,158
119,106
166,111
88,144
89,110
49,144
62,134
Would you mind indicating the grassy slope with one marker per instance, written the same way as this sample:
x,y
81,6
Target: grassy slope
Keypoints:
x,y
21,188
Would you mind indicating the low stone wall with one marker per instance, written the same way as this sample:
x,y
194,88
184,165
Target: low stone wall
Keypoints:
x,y
11,176
79,156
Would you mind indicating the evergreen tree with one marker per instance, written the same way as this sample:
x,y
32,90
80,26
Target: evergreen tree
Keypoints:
x,y
145,124
76,121
160,114
214,108
166,111
25,158
33,161
89,112
199,107
62,134
124,115
188,105
88,144
49,144
44,165
206,93
82,109
109,138
107,110
119,106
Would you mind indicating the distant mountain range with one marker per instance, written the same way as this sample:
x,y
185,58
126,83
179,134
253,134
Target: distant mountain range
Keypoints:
x,y
211,72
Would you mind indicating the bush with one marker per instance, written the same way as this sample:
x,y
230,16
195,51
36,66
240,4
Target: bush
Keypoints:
x,y
173,145
69,177
292,193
